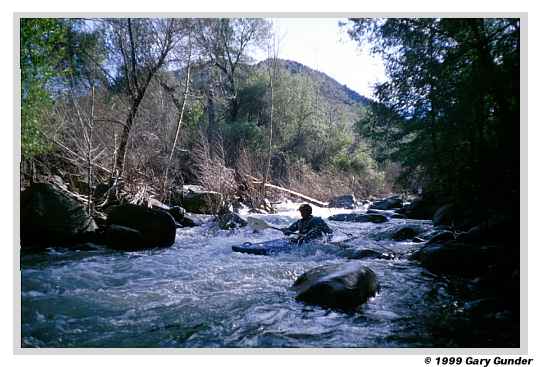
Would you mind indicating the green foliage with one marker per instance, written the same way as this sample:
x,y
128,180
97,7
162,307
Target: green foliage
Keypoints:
x,y
51,57
357,161
42,49
243,133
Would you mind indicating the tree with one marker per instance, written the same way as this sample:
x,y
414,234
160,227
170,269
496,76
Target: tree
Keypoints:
x,y
139,49
42,48
224,43
451,100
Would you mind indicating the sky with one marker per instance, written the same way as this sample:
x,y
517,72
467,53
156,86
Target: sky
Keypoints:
x,y
320,44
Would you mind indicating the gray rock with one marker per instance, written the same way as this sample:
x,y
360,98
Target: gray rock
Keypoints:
x,y
343,201
196,199
231,221
387,203
49,217
338,286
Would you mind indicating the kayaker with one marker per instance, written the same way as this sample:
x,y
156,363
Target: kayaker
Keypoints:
x,y
309,227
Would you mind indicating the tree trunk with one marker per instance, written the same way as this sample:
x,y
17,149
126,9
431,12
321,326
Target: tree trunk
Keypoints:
x,y
179,123
122,148
211,128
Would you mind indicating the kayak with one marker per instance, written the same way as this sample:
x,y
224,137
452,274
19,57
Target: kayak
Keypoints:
x,y
276,246
265,248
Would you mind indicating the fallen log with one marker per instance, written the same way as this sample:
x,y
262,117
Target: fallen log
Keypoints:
x,y
298,194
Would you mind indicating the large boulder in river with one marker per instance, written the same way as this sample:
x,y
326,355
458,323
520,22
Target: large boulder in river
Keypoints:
x,y
343,201
157,227
339,286
393,202
359,218
51,217
196,199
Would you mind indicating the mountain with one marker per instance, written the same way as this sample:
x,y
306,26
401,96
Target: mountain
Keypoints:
x,y
328,87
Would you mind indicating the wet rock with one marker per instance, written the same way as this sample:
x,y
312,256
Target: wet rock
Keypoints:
x,y
456,258
196,199
156,226
343,201
444,215
388,203
388,213
497,229
398,233
442,227
339,286
406,233
230,220
360,218
421,208
370,254
181,217
49,217
122,238
442,236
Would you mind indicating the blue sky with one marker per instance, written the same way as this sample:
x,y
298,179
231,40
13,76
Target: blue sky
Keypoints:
x,y
320,44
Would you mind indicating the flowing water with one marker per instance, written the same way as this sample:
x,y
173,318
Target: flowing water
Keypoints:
x,y
198,293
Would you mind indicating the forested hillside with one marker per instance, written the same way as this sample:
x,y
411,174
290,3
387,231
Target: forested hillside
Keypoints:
x,y
153,104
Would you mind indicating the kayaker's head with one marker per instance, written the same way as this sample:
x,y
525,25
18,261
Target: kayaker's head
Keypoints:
x,y
306,211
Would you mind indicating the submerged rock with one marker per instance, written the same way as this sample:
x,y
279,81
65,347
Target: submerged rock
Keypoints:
x,y
50,217
340,286
156,227
360,218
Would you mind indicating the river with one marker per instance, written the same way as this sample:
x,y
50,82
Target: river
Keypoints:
x,y
198,293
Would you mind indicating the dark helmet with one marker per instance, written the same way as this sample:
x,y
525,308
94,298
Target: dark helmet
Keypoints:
x,y
305,208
